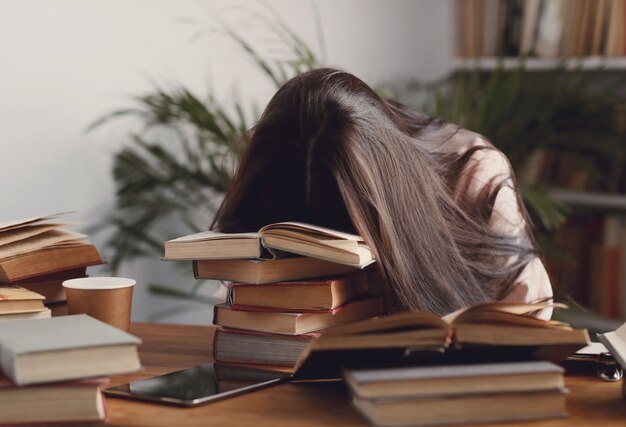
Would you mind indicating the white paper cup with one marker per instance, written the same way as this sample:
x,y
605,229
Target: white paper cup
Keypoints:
x,y
108,299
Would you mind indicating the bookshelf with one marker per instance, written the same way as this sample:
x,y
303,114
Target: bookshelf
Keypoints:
x,y
587,257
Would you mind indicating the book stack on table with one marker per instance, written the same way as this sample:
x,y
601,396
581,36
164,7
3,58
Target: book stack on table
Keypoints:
x,y
277,304
53,369
37,254
477,393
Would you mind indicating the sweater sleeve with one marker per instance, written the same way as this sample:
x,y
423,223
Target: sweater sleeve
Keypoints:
x,y
533,283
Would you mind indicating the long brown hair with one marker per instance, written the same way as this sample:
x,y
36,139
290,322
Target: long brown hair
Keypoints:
x,y
328,150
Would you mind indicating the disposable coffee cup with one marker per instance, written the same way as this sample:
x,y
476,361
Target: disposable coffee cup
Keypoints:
x,y
108,299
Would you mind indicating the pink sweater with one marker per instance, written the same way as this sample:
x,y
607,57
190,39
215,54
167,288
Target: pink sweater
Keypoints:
x,y
506,218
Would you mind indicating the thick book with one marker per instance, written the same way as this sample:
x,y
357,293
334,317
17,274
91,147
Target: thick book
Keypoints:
x,y
467,409
267,270
50,260
296,323
298,296
447,380
15,299
292,237
486,332
65,402
65,348
258,348
37,246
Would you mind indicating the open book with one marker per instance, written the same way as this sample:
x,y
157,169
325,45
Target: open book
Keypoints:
x,y
496,331
293,237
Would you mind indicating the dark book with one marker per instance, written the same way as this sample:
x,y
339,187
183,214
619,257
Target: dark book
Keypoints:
x,y
51,285
258,348
296,323
298,296
267,270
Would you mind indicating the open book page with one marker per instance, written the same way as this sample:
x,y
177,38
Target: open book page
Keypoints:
x,y
37,242
299,227
21,233
504,313
213,235
390,323
10,225
616,343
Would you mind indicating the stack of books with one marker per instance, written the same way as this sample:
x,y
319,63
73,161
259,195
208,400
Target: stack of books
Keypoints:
x,y
450,394
52,376
38,254
17,303
276,306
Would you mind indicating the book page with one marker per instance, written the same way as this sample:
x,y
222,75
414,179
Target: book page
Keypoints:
x,y
21,233
503,311
213,235
5,226
35,243
312,229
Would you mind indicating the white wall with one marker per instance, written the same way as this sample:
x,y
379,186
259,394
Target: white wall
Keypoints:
x,y
64,63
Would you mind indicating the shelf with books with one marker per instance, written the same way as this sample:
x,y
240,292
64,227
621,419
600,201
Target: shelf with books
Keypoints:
x,y
541,28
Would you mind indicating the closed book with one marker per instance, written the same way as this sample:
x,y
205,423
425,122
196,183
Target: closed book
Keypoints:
x,y
65,348
66,402
15,299
472,408
451,380
258,348
267,270
296,323
291,237
49,260
43,314
298,296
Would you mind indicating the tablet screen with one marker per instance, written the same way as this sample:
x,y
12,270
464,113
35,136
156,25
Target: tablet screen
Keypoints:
x,y
199,385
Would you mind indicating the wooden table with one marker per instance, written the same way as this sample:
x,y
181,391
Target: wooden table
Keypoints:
x,y
168,348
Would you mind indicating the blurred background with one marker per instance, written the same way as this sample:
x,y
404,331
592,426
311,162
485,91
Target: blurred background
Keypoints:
x,y
129,113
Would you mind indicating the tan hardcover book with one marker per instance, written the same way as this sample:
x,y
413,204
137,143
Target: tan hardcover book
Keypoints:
x,y
292,237
15,299
497,330
297,296
496,407
454,380
49,260
296,323
66,402
267,270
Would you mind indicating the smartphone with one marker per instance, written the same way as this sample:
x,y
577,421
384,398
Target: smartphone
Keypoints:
x,y
199,385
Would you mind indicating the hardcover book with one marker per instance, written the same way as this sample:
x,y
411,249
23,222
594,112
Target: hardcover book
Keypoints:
x,y
296,323
299,296
66,402
267,270
273,239
65,348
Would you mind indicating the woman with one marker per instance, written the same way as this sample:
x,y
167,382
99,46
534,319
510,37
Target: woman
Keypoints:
x,y
437,204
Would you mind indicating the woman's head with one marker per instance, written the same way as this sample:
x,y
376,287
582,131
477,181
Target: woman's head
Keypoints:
x,y
329,151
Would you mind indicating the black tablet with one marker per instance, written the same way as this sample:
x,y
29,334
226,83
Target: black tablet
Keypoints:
x,y
198,385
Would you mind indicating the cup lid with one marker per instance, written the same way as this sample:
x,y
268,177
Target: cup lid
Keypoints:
x,y
99,283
